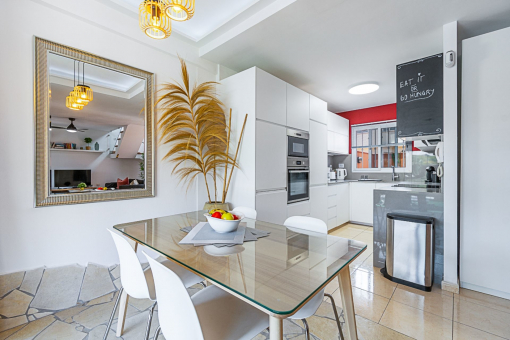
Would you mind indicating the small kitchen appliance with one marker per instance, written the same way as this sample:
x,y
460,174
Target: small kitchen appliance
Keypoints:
x,y
341,174
297,143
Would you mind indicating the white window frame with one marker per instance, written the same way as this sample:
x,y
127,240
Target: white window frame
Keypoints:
x,y
379,169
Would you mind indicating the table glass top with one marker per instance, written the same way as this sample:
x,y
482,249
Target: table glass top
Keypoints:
x,y
279,272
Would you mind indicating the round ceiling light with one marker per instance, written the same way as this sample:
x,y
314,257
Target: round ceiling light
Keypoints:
x,y
364,88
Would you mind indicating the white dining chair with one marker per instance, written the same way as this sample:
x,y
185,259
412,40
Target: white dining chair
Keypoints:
x,y
138,283
309,309
211,314
247,212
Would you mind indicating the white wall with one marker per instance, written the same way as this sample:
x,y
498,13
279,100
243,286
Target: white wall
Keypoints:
x,y
485,212
451,158
52,236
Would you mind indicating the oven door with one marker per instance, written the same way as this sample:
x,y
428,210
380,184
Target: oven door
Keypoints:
x,y
298,147
298,185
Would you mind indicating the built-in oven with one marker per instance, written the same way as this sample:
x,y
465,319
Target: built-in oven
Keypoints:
x,y
298,179
297,143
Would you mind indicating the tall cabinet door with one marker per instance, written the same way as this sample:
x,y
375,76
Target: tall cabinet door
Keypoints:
x,y
270,156
298,108
343,213
319,202
362,202
271,206
318,153
271,98
318,110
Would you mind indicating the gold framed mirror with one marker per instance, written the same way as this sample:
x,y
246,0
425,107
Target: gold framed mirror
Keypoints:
x,y
94,128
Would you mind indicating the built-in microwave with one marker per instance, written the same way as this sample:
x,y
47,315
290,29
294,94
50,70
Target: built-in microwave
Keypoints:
x,y
297,143
298,179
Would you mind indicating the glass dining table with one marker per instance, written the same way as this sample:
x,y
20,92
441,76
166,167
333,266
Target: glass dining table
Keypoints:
x,y
277,274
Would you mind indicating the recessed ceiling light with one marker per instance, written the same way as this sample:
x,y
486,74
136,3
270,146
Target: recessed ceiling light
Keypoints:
x,y
364,88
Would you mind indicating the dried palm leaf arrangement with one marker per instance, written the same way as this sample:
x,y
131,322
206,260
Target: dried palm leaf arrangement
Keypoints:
x,y
193,122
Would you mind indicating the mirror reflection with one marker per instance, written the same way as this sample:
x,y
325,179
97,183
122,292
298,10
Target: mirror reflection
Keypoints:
x,y
97,128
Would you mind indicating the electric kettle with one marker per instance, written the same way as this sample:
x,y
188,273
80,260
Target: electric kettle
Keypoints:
x,y
341,174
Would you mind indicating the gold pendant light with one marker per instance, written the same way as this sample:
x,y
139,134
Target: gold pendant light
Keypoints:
x,y
153,20
72,104
82,92
180,10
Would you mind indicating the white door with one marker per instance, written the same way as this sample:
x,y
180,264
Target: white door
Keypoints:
x,y
318,151
318,202
318,110
270,156
298,108
271,206
362,202
271,98
343,204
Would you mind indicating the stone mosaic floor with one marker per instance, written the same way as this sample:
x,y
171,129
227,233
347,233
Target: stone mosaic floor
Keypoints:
x,y
75,303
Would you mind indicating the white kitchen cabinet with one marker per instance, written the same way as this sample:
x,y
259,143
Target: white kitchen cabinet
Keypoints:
x,y
379,185
298,209
318,153
271,98
318,110
338,143
343,205
271,206
298,108
362,198
338,124
319,202
332,223
270,156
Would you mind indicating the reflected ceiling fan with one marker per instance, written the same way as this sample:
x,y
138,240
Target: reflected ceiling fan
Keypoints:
x,y
70,128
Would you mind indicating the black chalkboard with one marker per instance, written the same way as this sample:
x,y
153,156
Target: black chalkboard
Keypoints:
x,y
420,97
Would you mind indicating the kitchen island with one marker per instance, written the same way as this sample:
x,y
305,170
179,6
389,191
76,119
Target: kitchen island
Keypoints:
x,y
425,202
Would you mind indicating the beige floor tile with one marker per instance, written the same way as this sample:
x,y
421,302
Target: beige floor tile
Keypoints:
x,y
9,282
416,323
368,265
436,289
12,322
349,231
366,304
484,300
14,304
438,304
67,314
463,332
323,328
374,283
369,330
61,330
5,334
483,318
33,328
332,286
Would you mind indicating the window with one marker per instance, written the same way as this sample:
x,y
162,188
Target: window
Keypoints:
x,y
376,147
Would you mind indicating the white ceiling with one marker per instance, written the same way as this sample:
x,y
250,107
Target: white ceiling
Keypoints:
x,y
209,15
326,46
118,97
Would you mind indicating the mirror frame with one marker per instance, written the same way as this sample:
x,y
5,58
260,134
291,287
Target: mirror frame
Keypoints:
x,y
42,195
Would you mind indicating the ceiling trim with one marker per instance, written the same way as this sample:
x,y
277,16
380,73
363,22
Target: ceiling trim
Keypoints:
x,y
253,20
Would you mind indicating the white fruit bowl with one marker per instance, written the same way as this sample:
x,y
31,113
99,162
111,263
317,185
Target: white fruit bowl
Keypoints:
x,y
224,226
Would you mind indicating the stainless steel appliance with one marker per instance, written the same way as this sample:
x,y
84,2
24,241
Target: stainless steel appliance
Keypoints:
x,y
297,247
410,251
297,143
298,179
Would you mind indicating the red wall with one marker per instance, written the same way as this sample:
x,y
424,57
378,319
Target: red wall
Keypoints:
x,y
370,115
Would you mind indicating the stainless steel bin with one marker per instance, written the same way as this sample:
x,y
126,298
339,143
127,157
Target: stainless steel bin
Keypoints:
x,y
410,250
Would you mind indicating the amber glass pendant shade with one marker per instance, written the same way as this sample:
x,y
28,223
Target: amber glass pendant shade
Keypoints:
x,y
180,10
83,93
153,20
72,104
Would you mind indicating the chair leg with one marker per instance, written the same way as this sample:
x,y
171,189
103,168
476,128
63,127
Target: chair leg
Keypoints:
x,y
157,333
151,312
336,315
203,284
113,313
307,330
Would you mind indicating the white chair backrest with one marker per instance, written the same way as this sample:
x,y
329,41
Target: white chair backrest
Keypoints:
x,y
307,223
248,212
177,315
131,272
